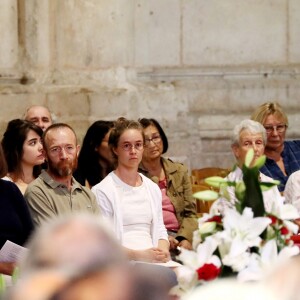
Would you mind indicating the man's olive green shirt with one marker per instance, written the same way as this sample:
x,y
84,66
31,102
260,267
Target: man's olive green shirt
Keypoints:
x,y
48,198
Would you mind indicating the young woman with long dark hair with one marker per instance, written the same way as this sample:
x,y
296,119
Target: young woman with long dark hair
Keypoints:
x,y
23,150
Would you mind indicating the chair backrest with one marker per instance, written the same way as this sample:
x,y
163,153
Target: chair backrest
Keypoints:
x,y
198,184
202,206
198,175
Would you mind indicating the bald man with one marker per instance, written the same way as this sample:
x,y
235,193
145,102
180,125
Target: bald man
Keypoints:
x,y
39,115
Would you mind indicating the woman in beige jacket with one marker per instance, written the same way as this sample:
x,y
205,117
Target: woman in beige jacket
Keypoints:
x,y
179,206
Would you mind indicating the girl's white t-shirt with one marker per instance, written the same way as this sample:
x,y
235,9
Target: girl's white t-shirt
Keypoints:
x,y
137,218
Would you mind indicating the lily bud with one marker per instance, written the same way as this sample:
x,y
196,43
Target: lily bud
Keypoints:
x,y
207,227
215,181
260,161
249,157
206,195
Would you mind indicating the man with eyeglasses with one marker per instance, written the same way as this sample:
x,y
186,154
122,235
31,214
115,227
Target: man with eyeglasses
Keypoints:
x,y
55,191
283,157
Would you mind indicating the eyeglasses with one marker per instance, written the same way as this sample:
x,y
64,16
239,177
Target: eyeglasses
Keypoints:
x,y
58,150
279,128
155,139
128,146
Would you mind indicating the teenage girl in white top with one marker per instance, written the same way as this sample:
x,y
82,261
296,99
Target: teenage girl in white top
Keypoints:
x,y
131,200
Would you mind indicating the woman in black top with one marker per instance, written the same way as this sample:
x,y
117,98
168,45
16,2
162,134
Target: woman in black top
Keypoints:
x,y
95,159
15,221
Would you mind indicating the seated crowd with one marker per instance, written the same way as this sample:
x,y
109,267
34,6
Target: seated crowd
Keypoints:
x,y
56,198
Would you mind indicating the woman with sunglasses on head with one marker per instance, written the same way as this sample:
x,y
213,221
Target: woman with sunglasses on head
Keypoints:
x,y
283,157
23,150
179,206
132,200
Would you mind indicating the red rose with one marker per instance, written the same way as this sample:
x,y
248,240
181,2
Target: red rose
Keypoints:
x,y
208,272
284,231
273,219
216,219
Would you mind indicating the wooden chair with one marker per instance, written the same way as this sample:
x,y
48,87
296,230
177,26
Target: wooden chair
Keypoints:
x,y
198,175
202,206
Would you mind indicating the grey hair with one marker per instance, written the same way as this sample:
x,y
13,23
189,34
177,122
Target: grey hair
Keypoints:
x,y
52,115
249,125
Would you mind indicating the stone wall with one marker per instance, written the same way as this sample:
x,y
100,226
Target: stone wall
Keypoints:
x,y
197,66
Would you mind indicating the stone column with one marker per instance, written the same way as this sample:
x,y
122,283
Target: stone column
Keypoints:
x,y
36,16
8,34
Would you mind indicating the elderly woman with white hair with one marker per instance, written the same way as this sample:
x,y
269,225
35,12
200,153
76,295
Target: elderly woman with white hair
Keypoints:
x,y
248,134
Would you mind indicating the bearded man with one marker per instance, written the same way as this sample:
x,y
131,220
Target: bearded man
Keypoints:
x,y
55,191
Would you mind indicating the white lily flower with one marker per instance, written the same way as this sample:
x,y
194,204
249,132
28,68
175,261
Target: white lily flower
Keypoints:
x,y
283,211
269,258
203,255
253,270
288,212
196,238
187,278
241,231
292,227
187,275
188,257
204,218
237,262
234,252
244,226
239,244
204,227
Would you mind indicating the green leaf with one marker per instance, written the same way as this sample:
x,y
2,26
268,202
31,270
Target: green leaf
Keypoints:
x,y
240,190
249,157
265,186
206,195
271,233
253,195
215,181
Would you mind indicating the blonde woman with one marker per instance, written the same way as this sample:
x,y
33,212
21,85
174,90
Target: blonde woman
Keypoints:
x,y
283,157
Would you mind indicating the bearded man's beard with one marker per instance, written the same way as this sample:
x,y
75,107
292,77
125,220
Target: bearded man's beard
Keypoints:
x,y
63,168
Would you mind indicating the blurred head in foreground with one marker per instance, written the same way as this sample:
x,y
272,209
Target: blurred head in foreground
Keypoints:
x,y
230,289
73,257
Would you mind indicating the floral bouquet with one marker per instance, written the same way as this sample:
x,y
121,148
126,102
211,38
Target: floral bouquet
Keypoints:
x,y
245,241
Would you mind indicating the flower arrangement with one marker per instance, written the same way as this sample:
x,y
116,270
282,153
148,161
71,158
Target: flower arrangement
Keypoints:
x,y
246,240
